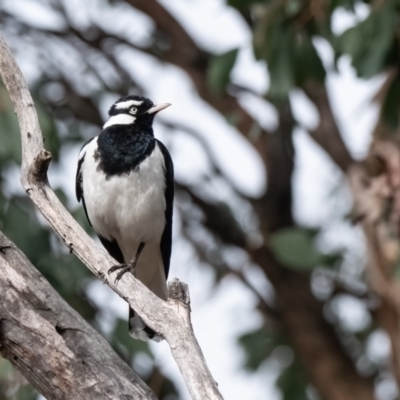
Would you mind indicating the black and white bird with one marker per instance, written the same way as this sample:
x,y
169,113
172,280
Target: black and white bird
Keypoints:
x,y
125,181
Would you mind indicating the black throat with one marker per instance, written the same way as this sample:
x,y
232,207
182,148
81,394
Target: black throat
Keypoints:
x,y
121,148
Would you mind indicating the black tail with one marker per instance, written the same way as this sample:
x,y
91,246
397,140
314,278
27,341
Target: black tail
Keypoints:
x,y
139,330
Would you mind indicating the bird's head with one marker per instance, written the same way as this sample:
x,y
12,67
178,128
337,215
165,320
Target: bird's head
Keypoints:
x,y
136,110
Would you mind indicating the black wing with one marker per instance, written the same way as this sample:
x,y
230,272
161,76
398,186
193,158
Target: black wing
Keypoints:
x,y
113,249
111,246
166,239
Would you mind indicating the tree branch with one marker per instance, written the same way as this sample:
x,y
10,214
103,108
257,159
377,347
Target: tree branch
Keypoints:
x,y
60,354
376,206
327,133
171,319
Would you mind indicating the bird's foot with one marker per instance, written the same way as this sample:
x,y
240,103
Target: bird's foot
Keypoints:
x,y
124,269
130,267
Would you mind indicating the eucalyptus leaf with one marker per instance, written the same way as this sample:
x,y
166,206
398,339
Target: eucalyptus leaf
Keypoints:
x,y
258,346
369,42
281,66
294,247
220,69
309,66
293,383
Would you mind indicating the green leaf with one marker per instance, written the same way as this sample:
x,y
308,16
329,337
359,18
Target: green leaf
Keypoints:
x,y
294,247
369,42
293,383
274,42
309,66
258,346
219,71
281,67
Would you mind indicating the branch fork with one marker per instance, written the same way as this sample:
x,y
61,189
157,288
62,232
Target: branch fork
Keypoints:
x,y
40,166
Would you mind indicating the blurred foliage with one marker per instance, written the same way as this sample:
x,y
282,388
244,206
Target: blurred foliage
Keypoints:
x,y
69,91
285,33
283,37
258,346
263,346
220,69
13,385
291,56
295,248
370,42
293,382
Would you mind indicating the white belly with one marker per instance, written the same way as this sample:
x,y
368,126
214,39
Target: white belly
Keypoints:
x,y
129,208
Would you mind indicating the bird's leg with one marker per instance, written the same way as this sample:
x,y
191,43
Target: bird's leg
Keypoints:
x,y
130,267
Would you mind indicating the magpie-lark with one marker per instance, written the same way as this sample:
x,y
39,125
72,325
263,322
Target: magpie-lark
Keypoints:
x,y
125,181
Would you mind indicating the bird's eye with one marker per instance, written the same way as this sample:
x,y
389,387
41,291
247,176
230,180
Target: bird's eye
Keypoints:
x,y
133,110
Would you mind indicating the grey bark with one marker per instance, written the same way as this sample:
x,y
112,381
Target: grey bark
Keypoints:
x,y
171,319
59,353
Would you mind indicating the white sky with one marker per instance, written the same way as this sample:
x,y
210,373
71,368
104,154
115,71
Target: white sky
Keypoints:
x,y
220,316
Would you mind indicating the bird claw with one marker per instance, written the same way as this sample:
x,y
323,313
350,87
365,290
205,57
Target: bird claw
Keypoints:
x,y
124,269
120,274
116,267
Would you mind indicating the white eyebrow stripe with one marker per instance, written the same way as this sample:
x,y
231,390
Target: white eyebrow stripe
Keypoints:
x,y
128,103
119,119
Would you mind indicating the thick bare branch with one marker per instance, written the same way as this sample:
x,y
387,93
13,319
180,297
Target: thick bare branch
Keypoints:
x,y
376,205
60,354
170,319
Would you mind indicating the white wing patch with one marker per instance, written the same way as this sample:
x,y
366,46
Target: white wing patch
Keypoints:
x,y
128,103
84,149
119,119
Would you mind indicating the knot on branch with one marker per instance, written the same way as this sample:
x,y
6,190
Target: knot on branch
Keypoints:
x,y
4,248
178,290
40,165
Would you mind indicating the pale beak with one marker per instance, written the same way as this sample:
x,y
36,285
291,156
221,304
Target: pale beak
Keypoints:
x,y
158,107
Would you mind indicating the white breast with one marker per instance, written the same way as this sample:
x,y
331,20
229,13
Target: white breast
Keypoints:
x,y
129,208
